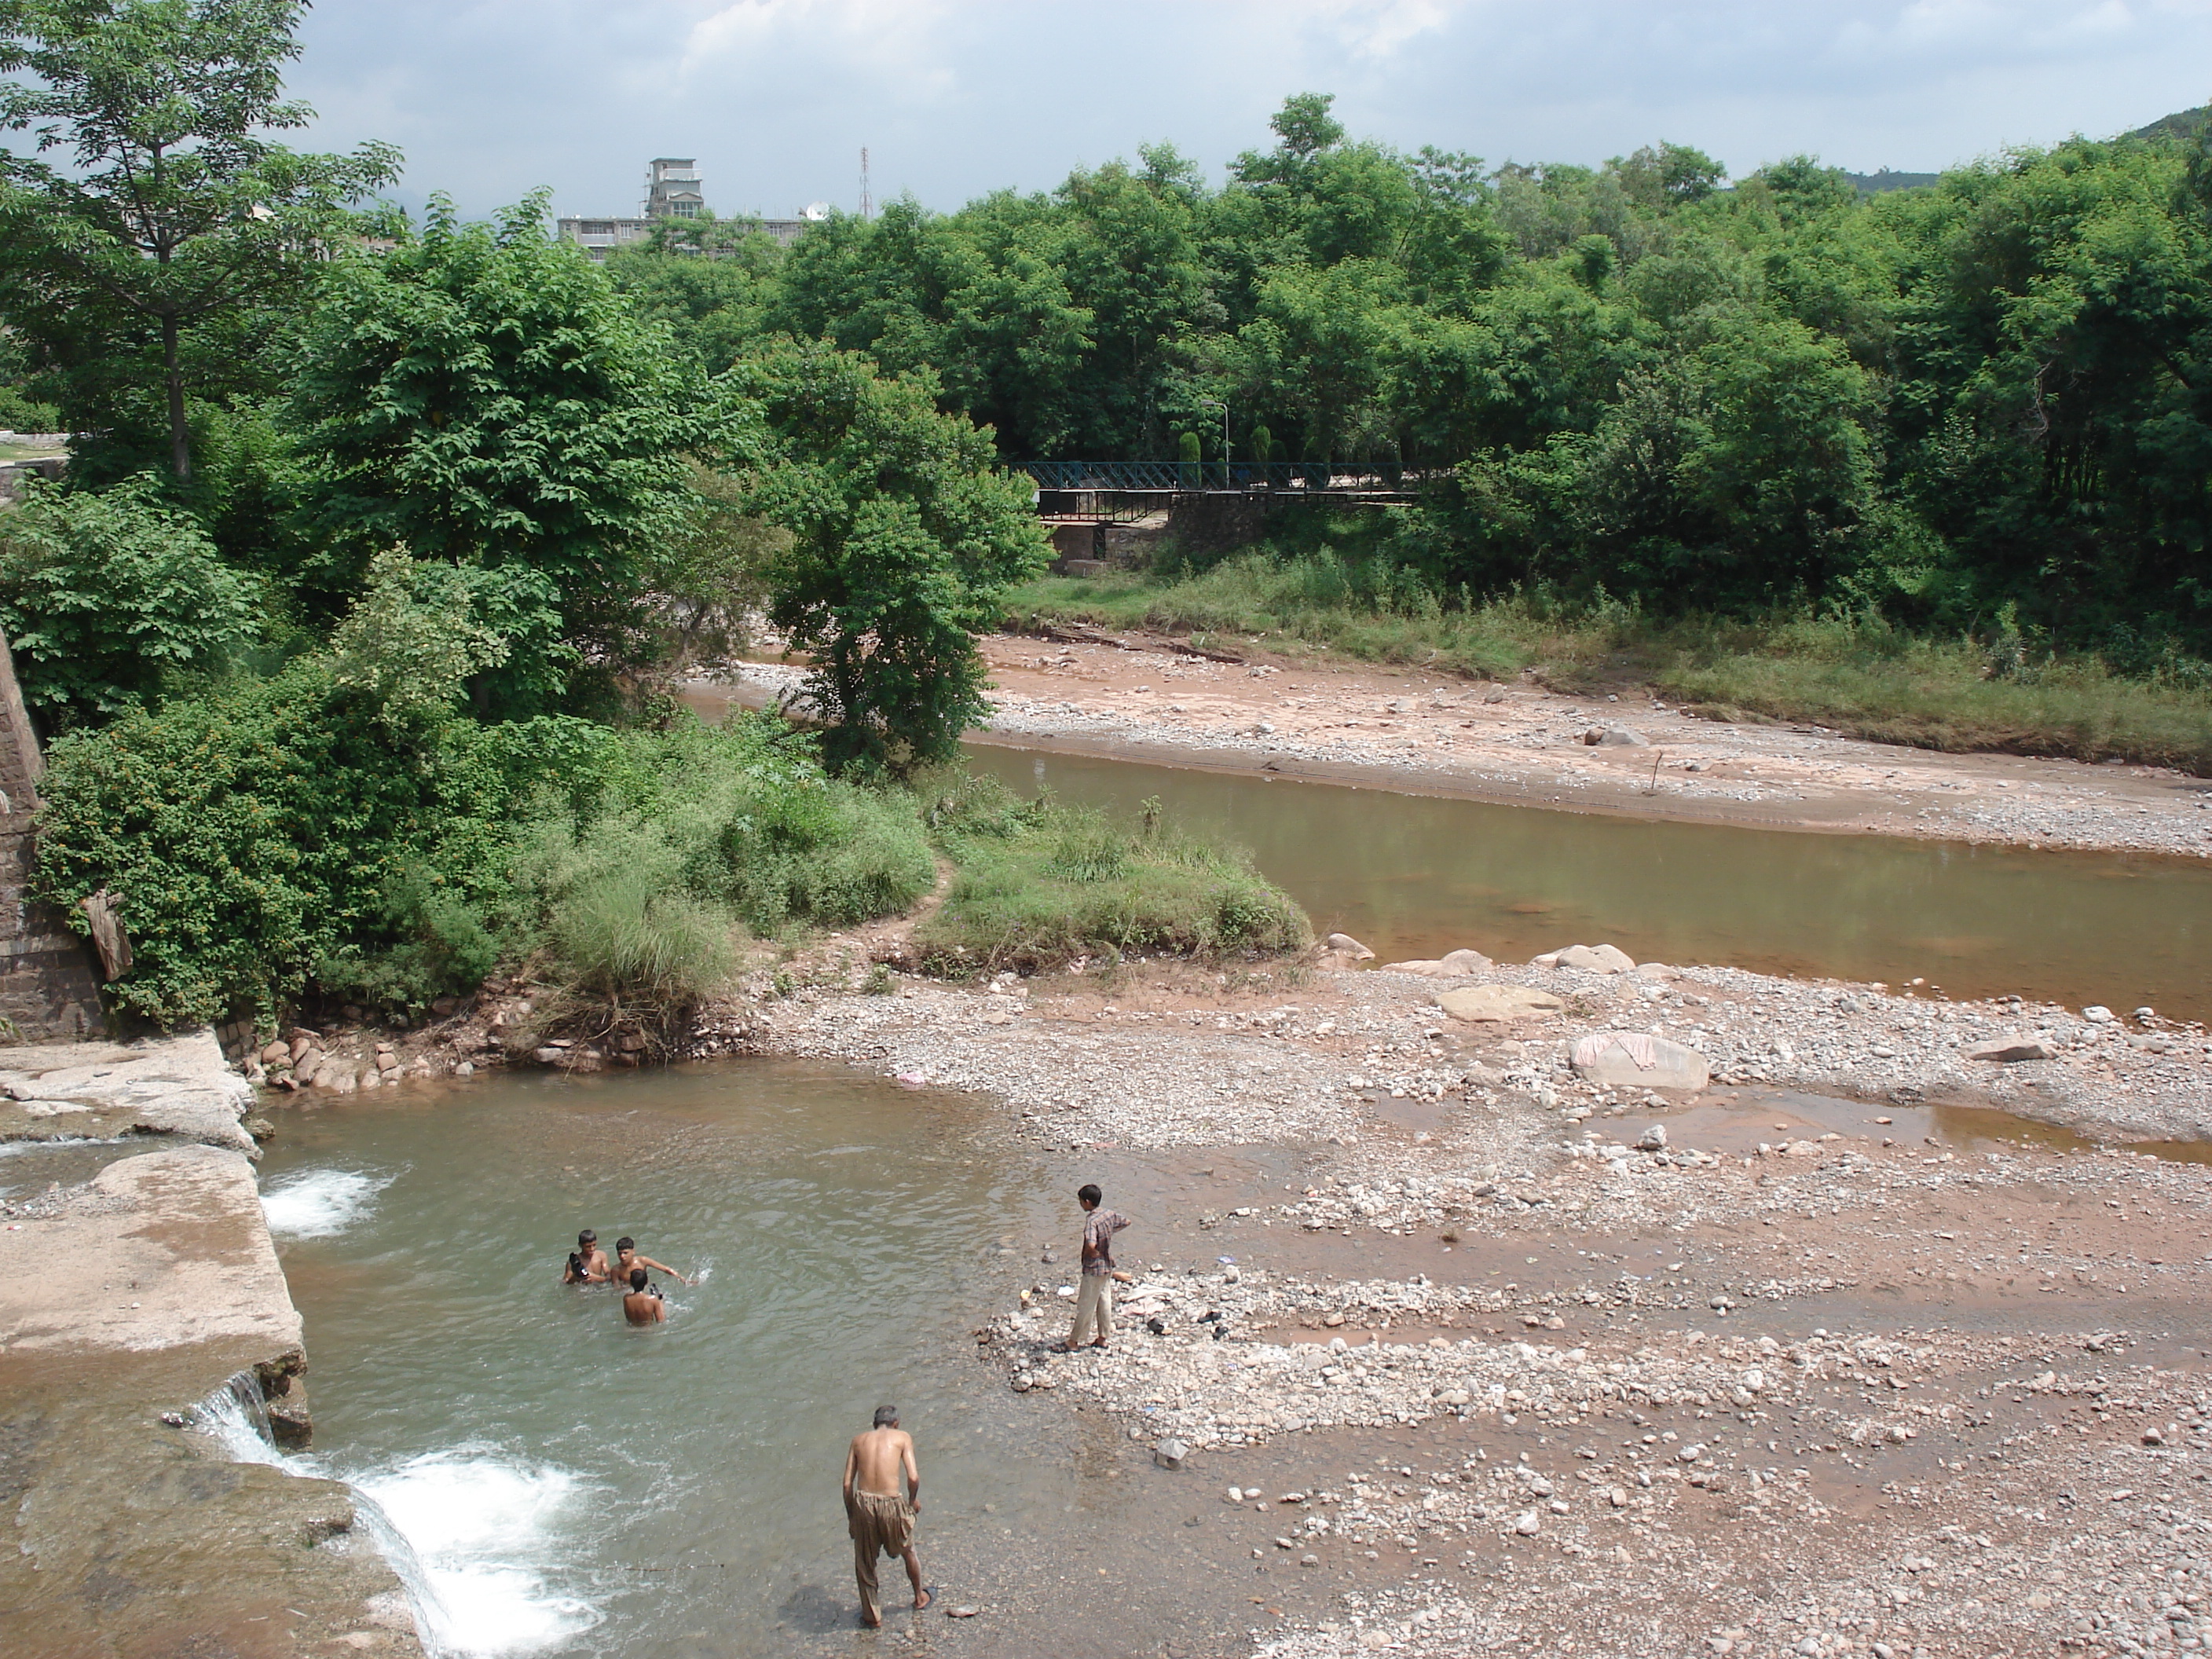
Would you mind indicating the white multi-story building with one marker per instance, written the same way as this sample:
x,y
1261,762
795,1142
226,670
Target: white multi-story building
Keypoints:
x,y
671,192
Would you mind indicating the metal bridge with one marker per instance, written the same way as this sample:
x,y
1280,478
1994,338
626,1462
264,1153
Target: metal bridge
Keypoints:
x,y
1074,491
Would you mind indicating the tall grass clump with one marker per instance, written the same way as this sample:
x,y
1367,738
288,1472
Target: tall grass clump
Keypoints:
x,y
1040,885
618,921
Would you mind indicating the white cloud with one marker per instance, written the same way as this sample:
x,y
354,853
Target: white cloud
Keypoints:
x,y
958,97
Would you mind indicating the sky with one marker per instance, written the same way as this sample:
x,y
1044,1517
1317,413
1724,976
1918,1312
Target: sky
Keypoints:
x,y
955,98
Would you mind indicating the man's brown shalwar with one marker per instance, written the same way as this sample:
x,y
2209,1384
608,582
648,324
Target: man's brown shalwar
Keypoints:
x,y
880,1524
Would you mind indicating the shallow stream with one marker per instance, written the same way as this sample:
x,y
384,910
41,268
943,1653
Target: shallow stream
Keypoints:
x,y
1419,875
576,1487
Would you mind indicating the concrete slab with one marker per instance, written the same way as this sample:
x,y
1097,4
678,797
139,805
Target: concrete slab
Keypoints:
x,y
178,1085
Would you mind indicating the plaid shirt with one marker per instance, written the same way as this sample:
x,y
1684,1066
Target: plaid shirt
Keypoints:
x,y
1099,1227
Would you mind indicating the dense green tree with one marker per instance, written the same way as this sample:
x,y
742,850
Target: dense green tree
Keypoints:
x,y
482,394
902,538
106,599
173,215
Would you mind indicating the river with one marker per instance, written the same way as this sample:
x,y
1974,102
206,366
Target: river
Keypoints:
x,y
574,1486
1420,875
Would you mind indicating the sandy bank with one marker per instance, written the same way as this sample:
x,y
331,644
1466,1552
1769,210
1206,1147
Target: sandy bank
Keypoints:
x,y
1520,744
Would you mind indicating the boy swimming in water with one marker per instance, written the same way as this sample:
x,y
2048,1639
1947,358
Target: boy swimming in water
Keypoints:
x,y
643,1304
587,1262
626,1257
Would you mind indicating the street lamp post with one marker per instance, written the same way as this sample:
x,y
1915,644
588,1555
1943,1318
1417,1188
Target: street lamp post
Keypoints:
x,y
1215,403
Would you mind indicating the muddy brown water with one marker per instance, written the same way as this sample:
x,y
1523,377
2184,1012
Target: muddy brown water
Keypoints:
x,y
1419,875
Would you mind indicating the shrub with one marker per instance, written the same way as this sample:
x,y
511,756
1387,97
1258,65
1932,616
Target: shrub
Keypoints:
x,y
618,919
106,597
254,835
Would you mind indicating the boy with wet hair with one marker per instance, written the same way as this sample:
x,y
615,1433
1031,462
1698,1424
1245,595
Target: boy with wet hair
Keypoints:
x,y
587,1262
643,1304
626,1258
879,1515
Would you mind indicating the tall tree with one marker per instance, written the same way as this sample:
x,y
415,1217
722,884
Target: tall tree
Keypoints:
x,y
902,539
482,394
174,210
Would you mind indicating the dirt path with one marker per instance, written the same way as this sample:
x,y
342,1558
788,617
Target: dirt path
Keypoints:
x,y
1401,729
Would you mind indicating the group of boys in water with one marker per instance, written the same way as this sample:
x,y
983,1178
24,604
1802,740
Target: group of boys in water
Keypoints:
x,y
642,1303
882,1484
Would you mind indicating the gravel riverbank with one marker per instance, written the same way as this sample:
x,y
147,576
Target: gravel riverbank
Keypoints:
x,y
1136,696
1866,1348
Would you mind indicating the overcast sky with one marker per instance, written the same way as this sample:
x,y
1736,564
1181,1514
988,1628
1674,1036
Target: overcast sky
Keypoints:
x,y
953,98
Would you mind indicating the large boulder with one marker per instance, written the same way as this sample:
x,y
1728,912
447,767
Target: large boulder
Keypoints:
x,y
1597,959
1498,1004
1635,1059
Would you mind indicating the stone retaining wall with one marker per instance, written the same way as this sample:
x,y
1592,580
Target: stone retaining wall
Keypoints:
x,y
47,990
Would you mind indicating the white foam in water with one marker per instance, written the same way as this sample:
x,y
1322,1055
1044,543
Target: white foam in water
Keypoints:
x,y
319,1203
478,1522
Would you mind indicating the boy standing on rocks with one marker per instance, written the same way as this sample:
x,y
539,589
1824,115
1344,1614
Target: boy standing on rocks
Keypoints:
x,y
1094,1302
879,1515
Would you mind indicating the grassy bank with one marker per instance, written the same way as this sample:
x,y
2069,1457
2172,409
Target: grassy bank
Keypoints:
x,y
1040,885
279,846
1855,676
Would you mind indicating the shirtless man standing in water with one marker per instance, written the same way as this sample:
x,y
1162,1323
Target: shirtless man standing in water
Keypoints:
x,y
879,1515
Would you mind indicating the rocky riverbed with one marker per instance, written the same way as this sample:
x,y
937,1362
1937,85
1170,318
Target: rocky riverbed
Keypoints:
x,y
1866,1347
1461,1318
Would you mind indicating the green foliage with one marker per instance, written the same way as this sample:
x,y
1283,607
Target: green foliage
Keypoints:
x,y
617,918
761,829
413,639
106,599
277,839
173,213
481,394
1040,886
1939,401
902,538
256,834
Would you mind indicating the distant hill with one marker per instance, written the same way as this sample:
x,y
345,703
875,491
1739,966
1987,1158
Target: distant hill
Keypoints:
x,y
1872,184
2187,124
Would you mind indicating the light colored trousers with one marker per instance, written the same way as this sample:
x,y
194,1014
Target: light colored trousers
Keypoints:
x,y
1094,1300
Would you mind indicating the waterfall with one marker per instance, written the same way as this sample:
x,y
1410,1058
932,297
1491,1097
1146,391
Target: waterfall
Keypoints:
x,y
237,1415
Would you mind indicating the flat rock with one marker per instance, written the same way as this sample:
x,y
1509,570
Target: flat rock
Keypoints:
x,y
1495,1003
176,1086
1459,965
1343,944
183,1227
1632,1059
1596,959
2007,1051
